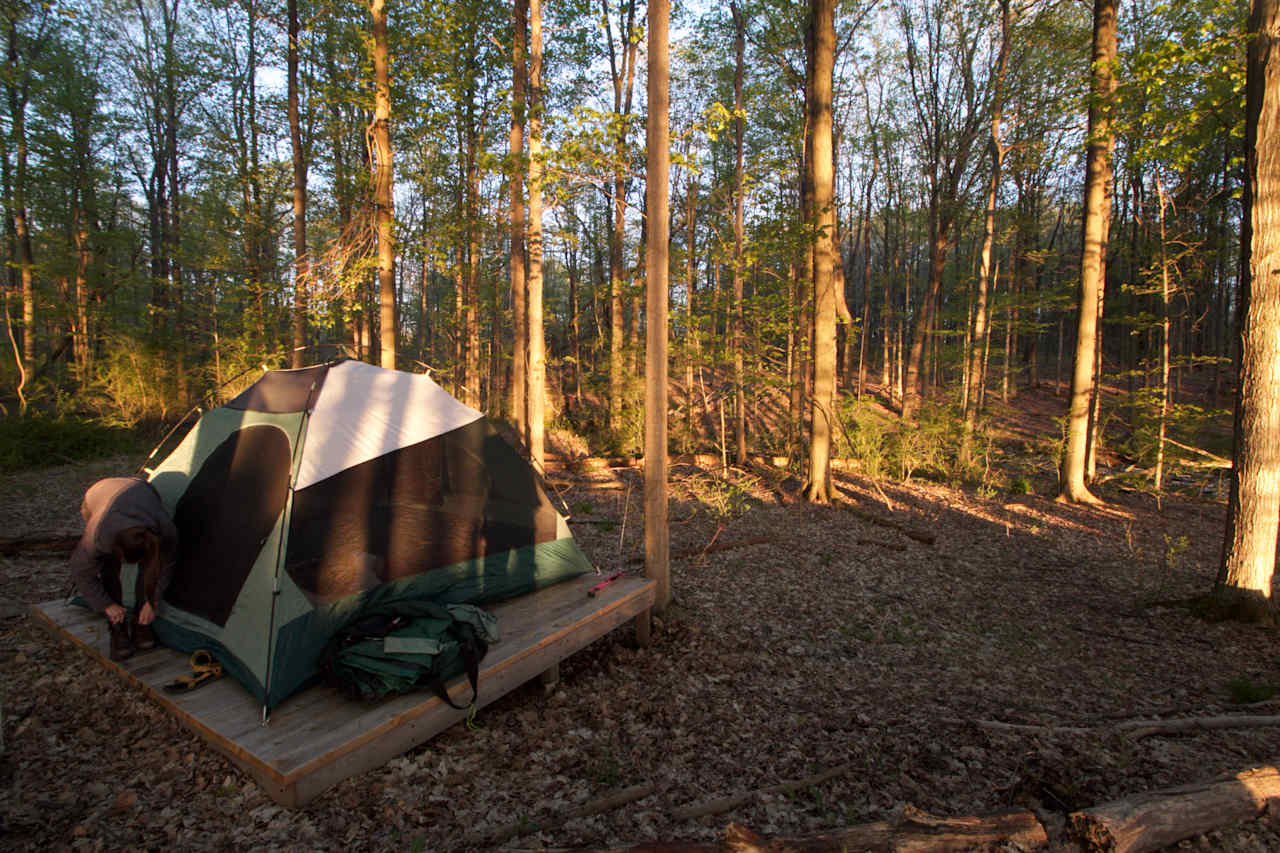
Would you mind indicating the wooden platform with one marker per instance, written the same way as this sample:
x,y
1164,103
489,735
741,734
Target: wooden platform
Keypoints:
x,y
317,738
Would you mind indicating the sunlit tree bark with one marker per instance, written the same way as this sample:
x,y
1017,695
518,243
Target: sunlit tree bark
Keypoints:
x,y
383,196
821,39
519,314
1097,222
1253,519
658,143
536,356
17,81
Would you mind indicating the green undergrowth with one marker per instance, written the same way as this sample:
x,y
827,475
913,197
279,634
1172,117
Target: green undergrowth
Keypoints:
x,y
39,442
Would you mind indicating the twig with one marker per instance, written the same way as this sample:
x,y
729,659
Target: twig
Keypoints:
x,y
524,827
17,355
918,535
725,804
1136,728
892,546
1220,461
714,537
626,508
723,546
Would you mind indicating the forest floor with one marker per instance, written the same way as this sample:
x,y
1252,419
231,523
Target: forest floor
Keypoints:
x,y
829,640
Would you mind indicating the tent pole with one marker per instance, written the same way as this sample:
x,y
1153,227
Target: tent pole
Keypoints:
x,y
298,441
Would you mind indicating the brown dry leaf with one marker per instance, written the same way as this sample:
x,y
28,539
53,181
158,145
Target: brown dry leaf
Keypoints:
x,y
778,660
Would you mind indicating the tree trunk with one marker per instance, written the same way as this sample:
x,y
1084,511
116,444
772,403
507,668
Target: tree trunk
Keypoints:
x,y
536,357
623,79
519,287
821,39
1158,478
739,207
299,197
1249,550
383,195
26,263
84,257
690,274
1097,216
978,342
658,145
865,331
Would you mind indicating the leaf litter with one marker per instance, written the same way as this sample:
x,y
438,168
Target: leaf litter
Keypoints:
x,y
836,641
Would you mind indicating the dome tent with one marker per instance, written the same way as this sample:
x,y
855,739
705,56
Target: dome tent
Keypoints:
x,y
320,494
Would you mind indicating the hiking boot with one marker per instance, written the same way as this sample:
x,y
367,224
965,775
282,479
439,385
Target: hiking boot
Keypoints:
x,y
144,639
121,644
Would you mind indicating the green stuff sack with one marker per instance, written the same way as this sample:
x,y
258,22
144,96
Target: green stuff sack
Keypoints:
x,y
409,645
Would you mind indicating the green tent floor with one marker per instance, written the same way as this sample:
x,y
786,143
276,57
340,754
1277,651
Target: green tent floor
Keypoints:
x,y
317,738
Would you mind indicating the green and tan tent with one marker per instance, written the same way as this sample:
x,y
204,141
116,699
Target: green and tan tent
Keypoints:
x,y
322,494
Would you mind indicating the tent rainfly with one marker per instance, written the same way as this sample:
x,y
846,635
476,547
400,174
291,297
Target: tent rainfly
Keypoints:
x,y
319,494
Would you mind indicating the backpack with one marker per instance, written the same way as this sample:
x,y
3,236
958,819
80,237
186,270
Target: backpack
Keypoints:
x,y
406,645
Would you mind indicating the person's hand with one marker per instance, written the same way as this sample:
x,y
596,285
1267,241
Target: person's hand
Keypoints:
x,y
147,614
115,613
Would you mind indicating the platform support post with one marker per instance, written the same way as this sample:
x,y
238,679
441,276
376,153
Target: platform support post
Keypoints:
x,y
550,677
643,633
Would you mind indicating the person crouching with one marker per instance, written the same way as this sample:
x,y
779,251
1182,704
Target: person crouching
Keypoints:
x,y
125,521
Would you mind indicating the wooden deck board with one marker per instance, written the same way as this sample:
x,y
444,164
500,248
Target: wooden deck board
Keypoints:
x,y
318,738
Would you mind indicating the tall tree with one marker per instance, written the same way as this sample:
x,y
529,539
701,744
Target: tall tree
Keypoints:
x,y
739,208
299,194
1097,225
22,50
536,356
383,187
821,40
978,342
519,292
622,71
1253,514
657,275
949,107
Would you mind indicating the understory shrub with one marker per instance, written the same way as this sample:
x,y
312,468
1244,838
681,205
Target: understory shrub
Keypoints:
x,y
36,442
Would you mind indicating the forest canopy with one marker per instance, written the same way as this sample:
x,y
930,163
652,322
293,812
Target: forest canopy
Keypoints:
x,y
156,153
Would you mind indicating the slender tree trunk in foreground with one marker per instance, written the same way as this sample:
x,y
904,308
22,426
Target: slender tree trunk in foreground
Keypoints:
x,y
536,356
623,79
1097,220
299,198
822,38
26,263
382,193
977,345
1249,551
739,207
1158,478
658,143
690,274
519,288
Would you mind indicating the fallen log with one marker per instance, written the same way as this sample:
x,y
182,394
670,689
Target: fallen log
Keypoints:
x,y
915,832
1156,819
38,542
